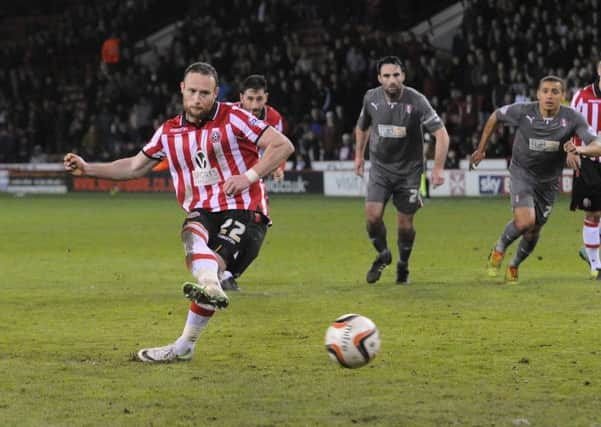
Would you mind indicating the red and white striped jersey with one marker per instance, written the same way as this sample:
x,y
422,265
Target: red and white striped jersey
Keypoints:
x,y
201,157
587,101
269,115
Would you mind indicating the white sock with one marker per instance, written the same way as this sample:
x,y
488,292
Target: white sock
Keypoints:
x,y
198,318
591,239
226,275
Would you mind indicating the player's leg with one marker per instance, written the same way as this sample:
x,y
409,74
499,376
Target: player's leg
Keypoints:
x,y
250,246
524,216
377,194
406,237
376,230
183,348
407,200
586,196
531,220
591,240
204,264
228,281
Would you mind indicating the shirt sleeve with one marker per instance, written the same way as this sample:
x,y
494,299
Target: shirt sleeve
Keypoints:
x,y
154,148
510,114
428,116
364,120
582,129
246,125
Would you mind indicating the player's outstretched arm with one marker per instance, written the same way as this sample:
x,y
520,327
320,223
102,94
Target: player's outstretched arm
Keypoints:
x,y
122,169
480,152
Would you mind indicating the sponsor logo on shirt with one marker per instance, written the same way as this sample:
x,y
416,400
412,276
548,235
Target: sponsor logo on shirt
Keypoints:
x,y
182,129
203,173
391,131
373,104
543,145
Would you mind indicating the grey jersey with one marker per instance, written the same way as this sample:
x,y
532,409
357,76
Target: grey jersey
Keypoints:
x,y
538,145
396,139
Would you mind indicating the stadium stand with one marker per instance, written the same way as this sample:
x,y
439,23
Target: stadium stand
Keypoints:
x,y
57,92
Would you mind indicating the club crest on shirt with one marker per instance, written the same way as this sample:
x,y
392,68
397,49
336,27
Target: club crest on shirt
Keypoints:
x,y
408,108
215,136
563,123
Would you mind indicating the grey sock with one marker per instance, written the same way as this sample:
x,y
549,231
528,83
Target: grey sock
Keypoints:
x,y
377,235
525,248
509,235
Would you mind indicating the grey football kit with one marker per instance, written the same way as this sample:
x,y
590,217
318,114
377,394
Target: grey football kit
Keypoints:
x,y
538,157
396,145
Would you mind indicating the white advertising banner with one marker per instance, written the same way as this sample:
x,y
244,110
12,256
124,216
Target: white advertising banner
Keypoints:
x,y
343,183
458,183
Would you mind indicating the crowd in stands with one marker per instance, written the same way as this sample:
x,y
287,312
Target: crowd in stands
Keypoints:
x,y
79,81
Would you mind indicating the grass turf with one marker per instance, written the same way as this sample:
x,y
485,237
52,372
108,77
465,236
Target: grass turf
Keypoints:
x,y
89,279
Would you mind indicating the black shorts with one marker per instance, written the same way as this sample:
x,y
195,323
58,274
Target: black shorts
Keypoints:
x,y
586,188
236,235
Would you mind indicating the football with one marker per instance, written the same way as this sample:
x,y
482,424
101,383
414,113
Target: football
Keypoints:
x,y
352,340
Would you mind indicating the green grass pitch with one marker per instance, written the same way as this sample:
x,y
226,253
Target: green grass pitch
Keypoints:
x,y
86,280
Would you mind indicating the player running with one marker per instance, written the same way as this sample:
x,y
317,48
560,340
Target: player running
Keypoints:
x,y
544,130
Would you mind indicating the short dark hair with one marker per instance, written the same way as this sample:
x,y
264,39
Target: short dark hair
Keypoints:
x,y
389,60
255,82
553,79
203,68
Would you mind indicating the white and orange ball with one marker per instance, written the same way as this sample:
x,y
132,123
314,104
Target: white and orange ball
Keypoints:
x,y
352,340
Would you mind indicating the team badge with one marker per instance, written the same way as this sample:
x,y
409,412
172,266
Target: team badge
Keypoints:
x,y
408,108
563,123
215,136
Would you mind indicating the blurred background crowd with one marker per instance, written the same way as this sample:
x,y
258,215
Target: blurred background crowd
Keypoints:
x,y
82,76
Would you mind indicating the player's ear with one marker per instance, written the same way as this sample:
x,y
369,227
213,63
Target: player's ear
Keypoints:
x,y
182,86
266,96
379,79
402,77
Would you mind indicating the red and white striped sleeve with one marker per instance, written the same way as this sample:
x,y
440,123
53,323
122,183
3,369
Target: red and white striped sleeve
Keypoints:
x,y
246,125
576,99
154,148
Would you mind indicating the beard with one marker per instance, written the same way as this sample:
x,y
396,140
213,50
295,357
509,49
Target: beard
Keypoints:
x,y
394,93
194,114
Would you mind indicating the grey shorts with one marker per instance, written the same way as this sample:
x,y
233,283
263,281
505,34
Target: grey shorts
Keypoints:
x,y
403,189
527,192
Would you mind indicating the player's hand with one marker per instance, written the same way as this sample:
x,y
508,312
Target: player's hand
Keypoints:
x,y
75,165
573,161
359,167
235,184
278,174
570,148
437,177
476,158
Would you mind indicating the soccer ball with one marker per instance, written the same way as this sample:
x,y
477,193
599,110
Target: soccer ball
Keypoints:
x,y
352,340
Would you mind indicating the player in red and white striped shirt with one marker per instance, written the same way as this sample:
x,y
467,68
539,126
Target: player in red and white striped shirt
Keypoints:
x,y
253,98
213,154
586,190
